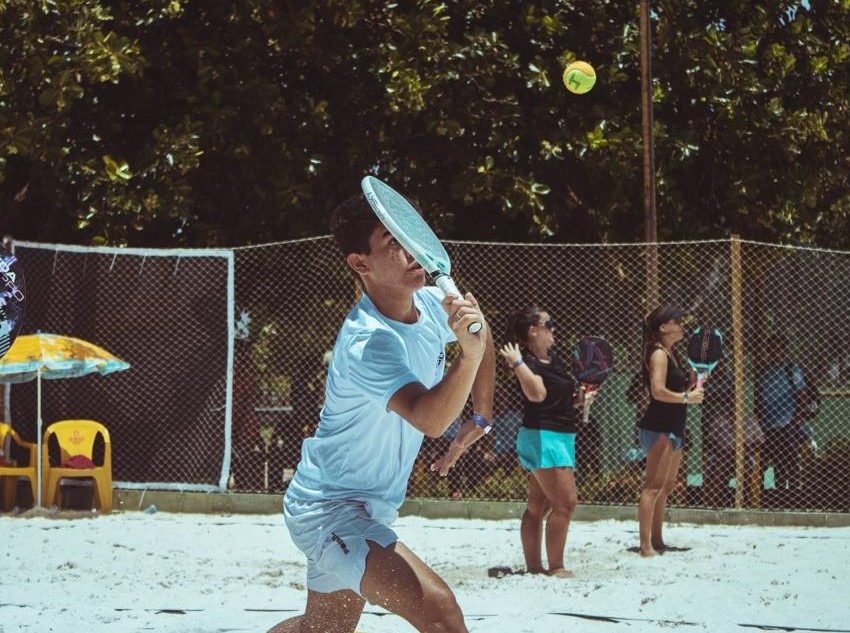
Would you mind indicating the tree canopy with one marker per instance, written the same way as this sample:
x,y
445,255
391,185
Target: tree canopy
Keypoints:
x,y
182,122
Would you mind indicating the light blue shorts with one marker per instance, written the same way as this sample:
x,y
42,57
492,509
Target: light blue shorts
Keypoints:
x,y
649,438
333,535
538,448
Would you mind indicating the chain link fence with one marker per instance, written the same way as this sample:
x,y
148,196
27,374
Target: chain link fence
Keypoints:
x,y
228,352
165,312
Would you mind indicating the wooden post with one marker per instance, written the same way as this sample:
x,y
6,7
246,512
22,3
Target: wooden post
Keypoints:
x,y
650,223
736,283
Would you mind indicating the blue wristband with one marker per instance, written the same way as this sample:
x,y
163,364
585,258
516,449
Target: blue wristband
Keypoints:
x,y
482,422
517,363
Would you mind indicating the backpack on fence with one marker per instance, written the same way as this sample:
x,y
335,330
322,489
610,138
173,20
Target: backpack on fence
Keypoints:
x,y
637,394
636,391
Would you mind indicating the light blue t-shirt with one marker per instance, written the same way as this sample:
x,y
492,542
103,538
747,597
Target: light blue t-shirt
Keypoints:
x,y
362,451
779,387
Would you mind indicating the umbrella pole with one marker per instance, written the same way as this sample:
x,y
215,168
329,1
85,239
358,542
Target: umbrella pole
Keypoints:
x,y
38,442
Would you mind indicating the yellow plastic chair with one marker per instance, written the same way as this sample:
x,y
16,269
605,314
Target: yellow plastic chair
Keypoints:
x,y
77,437
10,472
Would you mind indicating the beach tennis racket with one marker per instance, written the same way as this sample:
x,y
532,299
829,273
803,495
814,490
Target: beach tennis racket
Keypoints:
x,y
406,225
705,348
592,363
11,299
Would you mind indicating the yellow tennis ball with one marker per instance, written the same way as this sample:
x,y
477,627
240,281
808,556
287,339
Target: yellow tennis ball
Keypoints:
x,y
579,77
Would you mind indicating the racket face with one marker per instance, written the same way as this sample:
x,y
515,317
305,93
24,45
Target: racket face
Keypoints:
x,y
705,348
592,360
406,225
12,299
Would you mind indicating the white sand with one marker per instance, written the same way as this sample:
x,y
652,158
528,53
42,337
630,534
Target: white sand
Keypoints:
x,y
132,572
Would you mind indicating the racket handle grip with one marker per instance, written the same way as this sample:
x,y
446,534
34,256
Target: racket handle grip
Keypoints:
x,y
700,380
447,285
585,406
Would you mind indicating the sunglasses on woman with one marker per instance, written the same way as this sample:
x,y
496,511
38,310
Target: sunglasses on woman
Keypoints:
x,y
549,324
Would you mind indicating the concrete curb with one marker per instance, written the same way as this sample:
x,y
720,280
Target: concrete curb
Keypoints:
x,y
255,503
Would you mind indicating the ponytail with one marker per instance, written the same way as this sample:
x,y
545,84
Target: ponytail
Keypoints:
x,y
518,322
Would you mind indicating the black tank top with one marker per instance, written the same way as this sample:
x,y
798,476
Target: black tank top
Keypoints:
x,y
668,417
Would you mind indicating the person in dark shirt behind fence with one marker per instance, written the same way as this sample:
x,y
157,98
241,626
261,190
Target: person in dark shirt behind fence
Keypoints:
x,y
778,384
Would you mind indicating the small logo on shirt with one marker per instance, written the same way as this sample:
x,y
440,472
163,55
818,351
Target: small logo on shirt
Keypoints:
x,y
340,542
438,370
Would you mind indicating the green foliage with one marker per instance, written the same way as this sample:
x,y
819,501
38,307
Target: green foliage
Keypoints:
x,y
619,487
502,486
176,122
423,483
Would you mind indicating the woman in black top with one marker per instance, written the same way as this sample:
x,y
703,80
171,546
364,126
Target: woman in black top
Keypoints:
x,y
546,441
662,426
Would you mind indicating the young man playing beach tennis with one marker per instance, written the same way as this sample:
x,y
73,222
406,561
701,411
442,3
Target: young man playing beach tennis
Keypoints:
x,y
386,388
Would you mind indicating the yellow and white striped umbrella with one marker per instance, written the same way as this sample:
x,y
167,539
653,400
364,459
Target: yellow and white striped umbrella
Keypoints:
x,y
55,356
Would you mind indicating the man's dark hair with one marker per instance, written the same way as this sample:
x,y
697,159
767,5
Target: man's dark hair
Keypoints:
x,y
352,222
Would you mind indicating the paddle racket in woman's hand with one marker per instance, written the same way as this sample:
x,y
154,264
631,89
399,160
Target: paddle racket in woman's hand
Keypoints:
x,y
705,349
592,363
11,299
406,225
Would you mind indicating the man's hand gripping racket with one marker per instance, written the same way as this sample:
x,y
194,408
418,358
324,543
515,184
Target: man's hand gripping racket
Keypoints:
x,y
592,363
406,225
705,349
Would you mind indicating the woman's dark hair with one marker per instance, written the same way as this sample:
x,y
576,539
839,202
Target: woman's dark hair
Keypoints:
x,y
516,329
658,317
651,334
352,222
